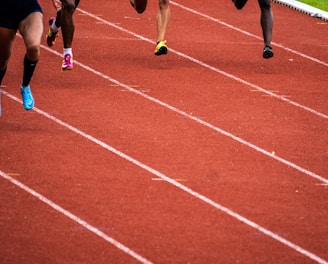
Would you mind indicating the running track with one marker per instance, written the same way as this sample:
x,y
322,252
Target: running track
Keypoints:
x,y
207,155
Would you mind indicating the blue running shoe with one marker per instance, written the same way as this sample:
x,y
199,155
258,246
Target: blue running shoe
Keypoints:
x,y
28,101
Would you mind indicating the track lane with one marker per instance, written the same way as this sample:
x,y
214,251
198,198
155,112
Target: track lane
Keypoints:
x,y
127,113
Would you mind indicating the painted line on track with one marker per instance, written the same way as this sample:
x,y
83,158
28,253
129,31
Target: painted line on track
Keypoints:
x,y
162,176
158,174
191,117
203,64
76,219
247,33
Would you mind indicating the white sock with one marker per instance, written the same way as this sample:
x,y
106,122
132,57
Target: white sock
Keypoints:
x,y
68,51
54,28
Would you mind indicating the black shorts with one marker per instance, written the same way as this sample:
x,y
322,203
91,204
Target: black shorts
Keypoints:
x,y
12,12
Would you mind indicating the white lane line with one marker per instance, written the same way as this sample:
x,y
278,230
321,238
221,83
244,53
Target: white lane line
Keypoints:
x,y
247,33
196,119
160,175
203,64
76,219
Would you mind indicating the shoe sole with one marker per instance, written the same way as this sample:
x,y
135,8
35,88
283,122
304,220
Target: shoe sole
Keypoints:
x,y
25,105
161,51
50,42
239,4
267,54
67,68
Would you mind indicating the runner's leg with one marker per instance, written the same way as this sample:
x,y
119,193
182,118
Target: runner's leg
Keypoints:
x,y
266,21
67,22
163,18
7,37
31,29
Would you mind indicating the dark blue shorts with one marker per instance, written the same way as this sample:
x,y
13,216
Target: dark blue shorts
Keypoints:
x,y
12,12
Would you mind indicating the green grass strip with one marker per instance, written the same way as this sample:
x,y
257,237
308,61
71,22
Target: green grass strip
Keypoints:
x,y
321,4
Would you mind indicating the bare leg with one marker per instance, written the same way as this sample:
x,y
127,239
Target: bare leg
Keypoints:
x,y
31,29
266,21
67,22
267,25
163,18
58,18
7,37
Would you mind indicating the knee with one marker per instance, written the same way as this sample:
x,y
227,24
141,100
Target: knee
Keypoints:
x,y
69,5
163,4
264,4
33,52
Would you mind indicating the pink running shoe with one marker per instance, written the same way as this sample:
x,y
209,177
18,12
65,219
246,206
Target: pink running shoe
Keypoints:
x,y
67,62
51,36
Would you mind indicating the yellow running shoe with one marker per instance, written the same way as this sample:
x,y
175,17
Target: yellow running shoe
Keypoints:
x,y
161,48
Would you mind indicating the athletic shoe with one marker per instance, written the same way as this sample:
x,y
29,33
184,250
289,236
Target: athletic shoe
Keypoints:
x,y
67,62
267,52
239,4
28,101
51,36
161,48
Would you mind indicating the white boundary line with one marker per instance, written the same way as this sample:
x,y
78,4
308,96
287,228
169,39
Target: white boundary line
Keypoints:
x,y
191,117
197,120
248,33
281,98
164,177
158,174
75,218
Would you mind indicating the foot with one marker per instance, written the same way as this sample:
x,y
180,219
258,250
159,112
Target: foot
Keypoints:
x,y
161,48
132,3
51,36
239,4
28,101
267,52
139,5
67,62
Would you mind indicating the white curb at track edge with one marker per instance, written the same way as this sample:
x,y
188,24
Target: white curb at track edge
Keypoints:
x,y
304,8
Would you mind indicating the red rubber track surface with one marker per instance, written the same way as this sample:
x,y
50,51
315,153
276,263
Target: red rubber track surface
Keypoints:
x,y
209,154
